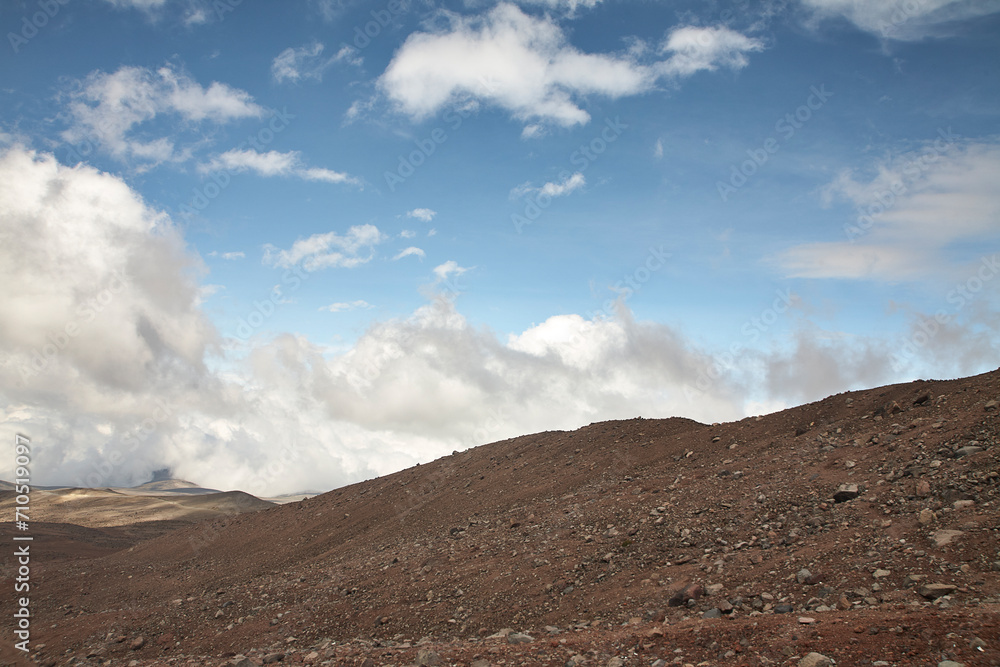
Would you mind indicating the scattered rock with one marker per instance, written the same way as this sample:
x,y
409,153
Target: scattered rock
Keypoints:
x,y
926,516
425,656
616,662
950,663
137,643
934,591
712,613
784,609
881,574
803,575
968,450
815,660
943,538
519,638
272,658
846,492
242,661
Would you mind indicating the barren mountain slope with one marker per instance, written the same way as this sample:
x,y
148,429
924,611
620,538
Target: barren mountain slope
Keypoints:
x,y
588,530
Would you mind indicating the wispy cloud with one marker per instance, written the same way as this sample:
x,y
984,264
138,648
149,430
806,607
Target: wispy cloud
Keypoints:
x,y
308,62
108,107
346,305
568,184
330,250
910,216
411,251
273,163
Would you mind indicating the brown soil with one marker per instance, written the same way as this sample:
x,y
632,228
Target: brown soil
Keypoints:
x,y
580,539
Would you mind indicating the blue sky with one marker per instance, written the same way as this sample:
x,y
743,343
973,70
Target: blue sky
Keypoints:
x,y
285,246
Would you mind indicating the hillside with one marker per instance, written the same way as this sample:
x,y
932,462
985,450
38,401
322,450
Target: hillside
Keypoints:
x,y
637,541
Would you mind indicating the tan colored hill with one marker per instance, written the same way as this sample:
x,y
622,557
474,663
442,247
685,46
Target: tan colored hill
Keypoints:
x,y
621,543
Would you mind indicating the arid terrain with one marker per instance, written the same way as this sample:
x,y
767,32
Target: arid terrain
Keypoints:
x,y
863,527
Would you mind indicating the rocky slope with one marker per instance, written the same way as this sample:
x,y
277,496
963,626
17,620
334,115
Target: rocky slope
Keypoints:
x,y
862,527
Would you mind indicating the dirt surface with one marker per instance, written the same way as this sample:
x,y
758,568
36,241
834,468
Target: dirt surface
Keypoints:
x,y
611,545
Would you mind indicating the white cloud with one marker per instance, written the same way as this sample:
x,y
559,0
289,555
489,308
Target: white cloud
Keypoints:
x,y
107,359
321,251
273,163
533,131
407,234
570,183
108,107
145,5
233,255
308,62
448,269
903,20
411,251
525,65
694,48
567,6
422,214
658,149
346,305
910,215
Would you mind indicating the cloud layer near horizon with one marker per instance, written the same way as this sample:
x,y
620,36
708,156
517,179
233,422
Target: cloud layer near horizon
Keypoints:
x,y
111,366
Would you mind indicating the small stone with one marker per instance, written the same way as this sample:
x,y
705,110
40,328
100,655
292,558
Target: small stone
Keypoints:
x,y
943,538
659,663
806,620
846,492
990,405
926,516
137,643
815,660
934,591
519,638
272,658
784,609
962,504
923,488
616,662
881,574
480,663
968,450
712,613
803,575
241,661
425,656
950,663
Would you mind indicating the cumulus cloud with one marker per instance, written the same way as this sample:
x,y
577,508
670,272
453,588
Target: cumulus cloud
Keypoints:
x,y
568,184
308,62
525,65
107,109
903,20
911,214
412,251
422,214
328,250
273,163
